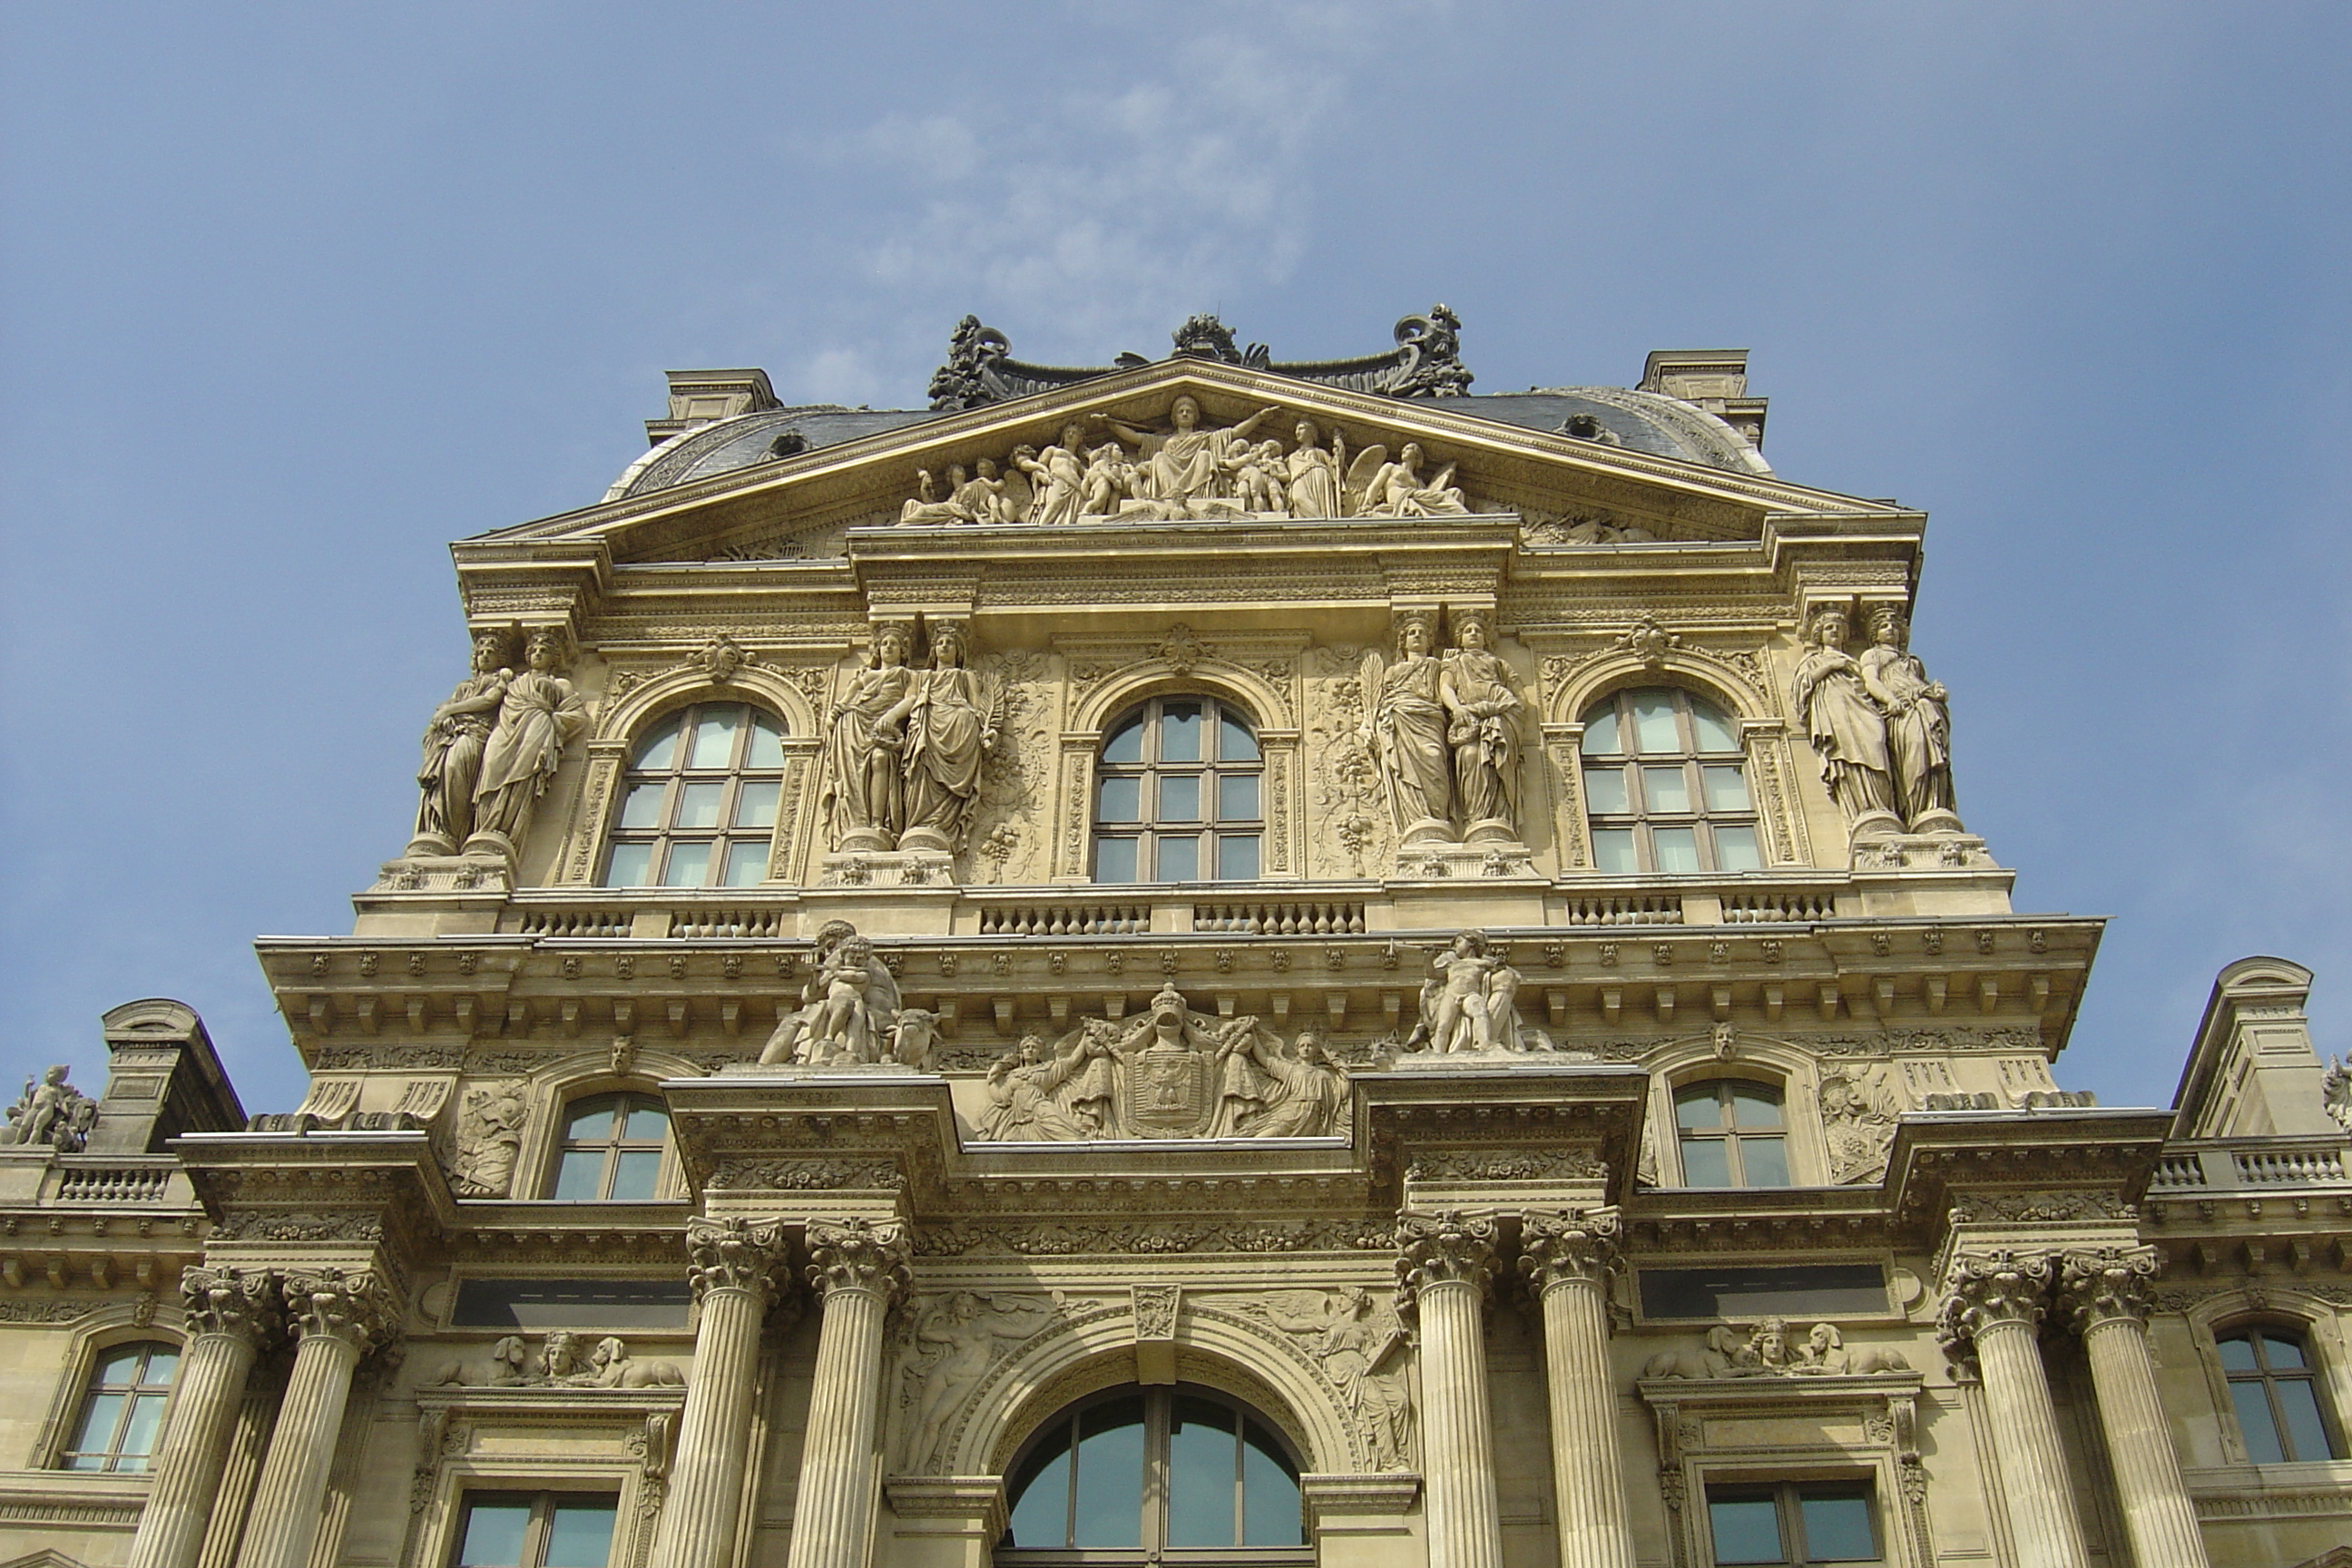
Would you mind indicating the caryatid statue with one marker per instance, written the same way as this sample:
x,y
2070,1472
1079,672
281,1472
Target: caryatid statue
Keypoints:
x,y
538,714
949,729
454,740
1918,724
1482,709
866,743
1405,730
1180,471
1846,725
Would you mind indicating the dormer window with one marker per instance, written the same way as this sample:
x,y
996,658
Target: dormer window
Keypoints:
x,y
1731,1133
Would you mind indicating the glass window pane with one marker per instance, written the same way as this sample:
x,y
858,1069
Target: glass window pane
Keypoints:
x,y
1753,1106
1122,800
767,755
2262,1446
1237,857
1665,789
1674,848
714,738
698,804
633,1174
494,1534
1237,797
631,866
649,1122
1179,731
1125,742
1704,1163
1115,860
658,750
641,808
99,1420
579,1173
1653,723
1837,1527
2297,1402
1040,1489
1234,742
1746,1530
1715,731
163,1366
1604,791
119,1366
1111,1475
1202,1469
2238,1352
1179,860
1612,850
746,863
2280,1353
688,866
1727,787
1600,731
1180,797
147,1418
580,1535
755,803
592,1119
1270,1512
1764,1162
1700,1108
1735,850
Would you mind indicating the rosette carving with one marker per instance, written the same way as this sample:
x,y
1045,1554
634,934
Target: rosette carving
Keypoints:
x,y
241,1303
1986,1289
1444,1249
858,1255
2098,1284
356,1306
1578,1246
735,1254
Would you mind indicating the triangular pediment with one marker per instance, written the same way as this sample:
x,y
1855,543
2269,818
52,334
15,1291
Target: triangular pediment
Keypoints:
x,y
1567,491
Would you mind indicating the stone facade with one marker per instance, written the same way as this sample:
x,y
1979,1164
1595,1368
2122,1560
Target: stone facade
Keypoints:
x,y
1606,1087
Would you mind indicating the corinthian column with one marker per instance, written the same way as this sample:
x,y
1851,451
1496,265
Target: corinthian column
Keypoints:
x,y
1996,1299
732,1266
1566,1258
1445,1264
2104,1292
341,1315
230,1312
857,1268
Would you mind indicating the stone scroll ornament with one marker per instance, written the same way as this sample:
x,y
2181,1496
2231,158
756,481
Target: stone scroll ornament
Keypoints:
x,y
538,715
240,1304
2098,1285
1172,1073
1442,1248
454,740
354,1305
50,1114
858,1254
851,1013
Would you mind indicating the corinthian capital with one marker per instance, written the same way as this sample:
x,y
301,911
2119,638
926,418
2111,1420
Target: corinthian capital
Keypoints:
x,y
2100,1284
240,1304
1999,1285
1571,1246
354,1305
735,1254
1453,1248
858,1255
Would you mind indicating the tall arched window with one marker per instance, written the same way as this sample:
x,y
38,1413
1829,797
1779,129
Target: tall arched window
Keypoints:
x,y
1666,786
122,1409
1731,1133
612,1150
1178,797
1161,1474
698,805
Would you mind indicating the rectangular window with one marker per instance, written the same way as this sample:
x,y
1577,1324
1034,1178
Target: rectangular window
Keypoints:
x,y
1795,1289
1792,1525
539,1304
549,1530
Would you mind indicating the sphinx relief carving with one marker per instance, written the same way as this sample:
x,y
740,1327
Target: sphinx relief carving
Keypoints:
x,y
1356,1341
1173,1073
1445,732
1770,1350
562,1361
907,747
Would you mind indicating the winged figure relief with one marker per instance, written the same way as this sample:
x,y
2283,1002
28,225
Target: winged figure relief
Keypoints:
x,y
1355,1337
955,1340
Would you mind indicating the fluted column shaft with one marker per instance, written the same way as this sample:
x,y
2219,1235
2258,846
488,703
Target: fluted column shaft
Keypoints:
x,y
858,1267
1446,1265
1997,1299
1566,1260
230,1312
341,1315
2105,1292
734,1273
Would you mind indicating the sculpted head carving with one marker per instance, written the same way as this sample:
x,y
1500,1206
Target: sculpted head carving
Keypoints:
x,y
1829,628
1306,434
949,643
1074,436
1168,1005
1417,633
490,646
1033,1050
548,649
1185,413
891,641
1888,626
1472,629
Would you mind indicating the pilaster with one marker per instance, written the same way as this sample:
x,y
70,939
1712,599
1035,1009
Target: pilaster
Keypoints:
x,y
231,1313
2103,1292
1567,1258
858,1268
341,1313
734,1267
1994,1299
1446,1267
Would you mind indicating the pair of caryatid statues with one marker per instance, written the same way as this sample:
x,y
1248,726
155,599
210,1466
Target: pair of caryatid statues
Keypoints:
x,y
1880,728
492,749
905,746
1444,732
1187,471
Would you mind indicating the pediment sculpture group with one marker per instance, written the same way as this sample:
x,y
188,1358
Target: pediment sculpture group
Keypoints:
x,y
1444,730
1187,471
492,749
1882,730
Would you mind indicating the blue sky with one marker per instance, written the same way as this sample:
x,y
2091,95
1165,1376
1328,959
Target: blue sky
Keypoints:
x,y
294,294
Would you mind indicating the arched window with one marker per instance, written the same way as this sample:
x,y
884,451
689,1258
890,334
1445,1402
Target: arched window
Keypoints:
x,y
1666,786
1732,1135
2274,1389
122,1410
1139,1475
612,1149
1177,798
698,805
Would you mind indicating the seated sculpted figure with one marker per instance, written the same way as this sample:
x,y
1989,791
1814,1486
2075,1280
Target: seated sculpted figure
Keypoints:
x,y
1397,490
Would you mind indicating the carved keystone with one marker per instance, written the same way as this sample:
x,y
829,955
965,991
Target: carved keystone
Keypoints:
x,y
240,1303
858,1255
1578,1247
735,1254
2100,1285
